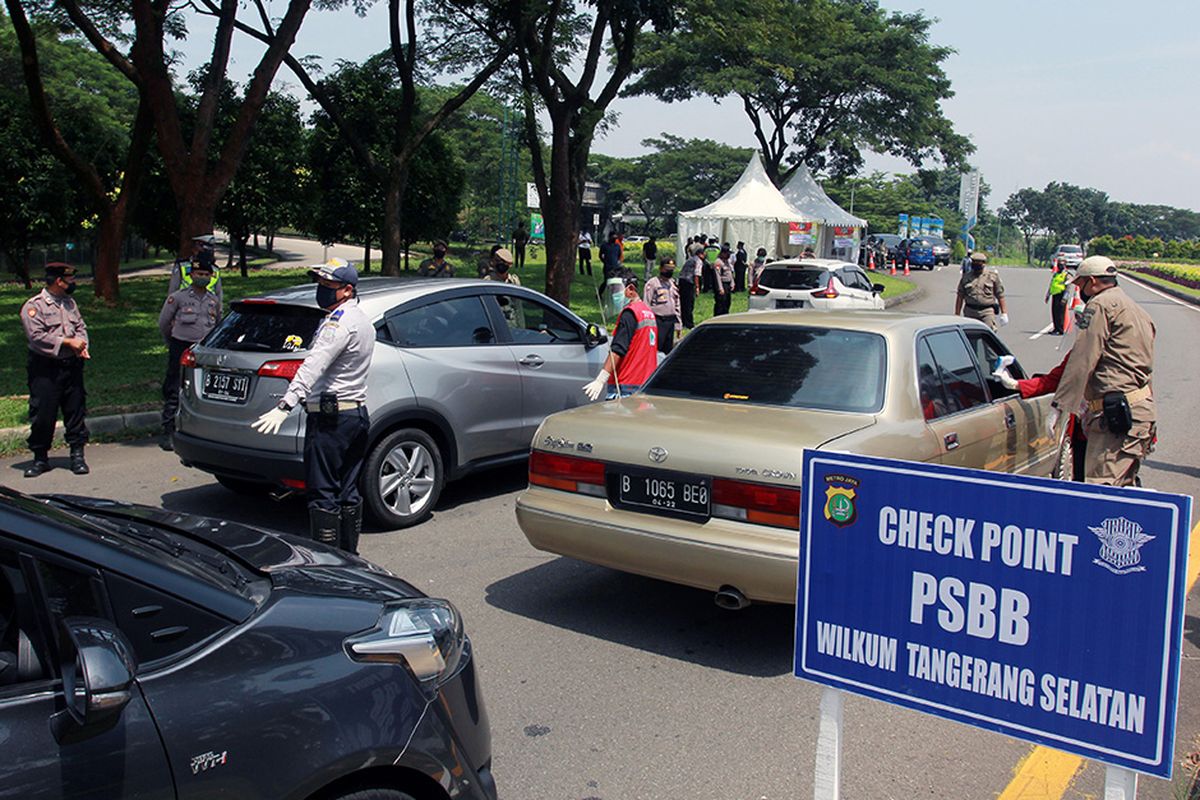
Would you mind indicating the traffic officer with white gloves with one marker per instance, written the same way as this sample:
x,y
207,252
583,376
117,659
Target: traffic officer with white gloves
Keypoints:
x,y
1108,377
980,293
187,316
332,385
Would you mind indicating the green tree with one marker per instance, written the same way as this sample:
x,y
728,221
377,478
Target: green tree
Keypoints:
x,y
265,193
548,36
92,123
819,80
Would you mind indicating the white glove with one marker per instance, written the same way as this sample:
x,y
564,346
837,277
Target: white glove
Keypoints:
x,y
270,422
597,387
1052,422
1003,319
1006,380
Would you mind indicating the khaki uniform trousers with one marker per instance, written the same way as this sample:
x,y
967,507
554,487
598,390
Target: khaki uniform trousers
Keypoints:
x,y
1114,459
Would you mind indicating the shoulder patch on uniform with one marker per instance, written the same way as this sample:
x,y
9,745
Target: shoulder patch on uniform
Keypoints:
x,y
337,314
170,299
1085,318
32,311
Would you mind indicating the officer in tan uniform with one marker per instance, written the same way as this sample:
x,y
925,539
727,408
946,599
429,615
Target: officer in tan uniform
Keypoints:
x,y
58,346
980,292
1108,377
186,317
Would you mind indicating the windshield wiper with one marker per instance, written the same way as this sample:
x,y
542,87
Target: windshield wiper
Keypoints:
x,y
257,347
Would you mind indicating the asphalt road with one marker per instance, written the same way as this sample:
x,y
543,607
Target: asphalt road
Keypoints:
x,y
606,685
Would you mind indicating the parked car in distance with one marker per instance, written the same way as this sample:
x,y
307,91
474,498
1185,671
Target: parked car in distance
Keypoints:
x,y
814,283
696,478
884,247
463,373
150,654
1069,255
941,250
918,252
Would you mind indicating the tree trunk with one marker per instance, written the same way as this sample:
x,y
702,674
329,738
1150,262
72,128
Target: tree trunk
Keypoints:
x,y
367,256
271,242
196,215
109,233
256,240
393,218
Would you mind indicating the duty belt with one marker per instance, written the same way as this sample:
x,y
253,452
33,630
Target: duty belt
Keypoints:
x,y
1136,396
343,405
980,306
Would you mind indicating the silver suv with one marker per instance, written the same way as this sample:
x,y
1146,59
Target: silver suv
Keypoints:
x,y
1069,255
463,373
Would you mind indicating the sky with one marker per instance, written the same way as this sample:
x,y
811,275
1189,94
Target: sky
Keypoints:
x,y
1096,93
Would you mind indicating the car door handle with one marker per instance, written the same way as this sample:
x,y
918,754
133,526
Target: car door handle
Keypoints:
x,y
951,440
532,361
1010,419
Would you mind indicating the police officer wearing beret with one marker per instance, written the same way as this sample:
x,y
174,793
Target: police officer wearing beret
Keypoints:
x,y
187,316
1107,377
332,386
980,293
58,347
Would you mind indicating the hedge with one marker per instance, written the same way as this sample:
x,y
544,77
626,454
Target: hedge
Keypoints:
x,y
1142,247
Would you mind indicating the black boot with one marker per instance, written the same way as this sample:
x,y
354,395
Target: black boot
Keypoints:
x,y
78,465
351,527
40,464
323,526
164,440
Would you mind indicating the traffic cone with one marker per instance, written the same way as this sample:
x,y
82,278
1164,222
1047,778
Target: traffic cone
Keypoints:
x,y
893,272
906,265
871,260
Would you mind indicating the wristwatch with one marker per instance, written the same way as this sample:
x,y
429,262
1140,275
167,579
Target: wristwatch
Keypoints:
x,y
283,406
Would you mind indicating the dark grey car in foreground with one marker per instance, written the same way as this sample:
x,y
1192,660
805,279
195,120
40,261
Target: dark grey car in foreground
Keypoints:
x,y
147,654
463,373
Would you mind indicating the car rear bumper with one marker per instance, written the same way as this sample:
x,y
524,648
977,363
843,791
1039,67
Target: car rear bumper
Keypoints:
x,y
237,460
758,560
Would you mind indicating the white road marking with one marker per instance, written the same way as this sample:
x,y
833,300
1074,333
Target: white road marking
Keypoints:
x,y
1163,295
1042,332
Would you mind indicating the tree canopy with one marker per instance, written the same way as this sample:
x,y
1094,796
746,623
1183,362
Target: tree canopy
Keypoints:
x,y
819,80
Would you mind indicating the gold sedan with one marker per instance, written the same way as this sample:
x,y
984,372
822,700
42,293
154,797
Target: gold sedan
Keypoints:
x,y
695,479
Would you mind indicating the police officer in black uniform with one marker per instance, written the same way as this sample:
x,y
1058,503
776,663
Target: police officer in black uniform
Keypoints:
x,y
332,385
58,348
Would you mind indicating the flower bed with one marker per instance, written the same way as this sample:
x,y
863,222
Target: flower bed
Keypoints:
x,y
1180,274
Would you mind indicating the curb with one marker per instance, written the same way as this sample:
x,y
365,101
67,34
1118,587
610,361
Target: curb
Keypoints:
x,y
1178,295
916,293
102,426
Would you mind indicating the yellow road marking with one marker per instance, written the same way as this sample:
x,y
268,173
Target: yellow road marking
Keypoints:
x,y
1045,774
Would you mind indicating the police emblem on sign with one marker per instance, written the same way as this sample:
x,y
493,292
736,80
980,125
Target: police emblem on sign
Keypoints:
x,y
839,500
1120,543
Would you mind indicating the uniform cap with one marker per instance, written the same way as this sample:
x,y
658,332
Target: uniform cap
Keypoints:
x,y
57,269
979,256
1096,267
336,270
205,260
207,239
504,255
666,261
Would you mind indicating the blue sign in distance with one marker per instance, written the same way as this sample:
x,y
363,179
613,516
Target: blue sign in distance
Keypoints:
x,y
1046,610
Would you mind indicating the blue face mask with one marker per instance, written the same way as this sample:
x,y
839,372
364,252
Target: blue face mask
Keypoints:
x,y
326,297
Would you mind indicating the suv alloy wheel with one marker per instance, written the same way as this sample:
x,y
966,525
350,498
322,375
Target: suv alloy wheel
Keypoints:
x,y
403,478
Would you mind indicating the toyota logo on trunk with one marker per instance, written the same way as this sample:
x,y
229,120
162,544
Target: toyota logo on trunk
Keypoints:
x,y
658,454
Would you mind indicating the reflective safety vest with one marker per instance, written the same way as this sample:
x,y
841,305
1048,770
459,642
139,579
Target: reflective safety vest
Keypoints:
x,y
642,357
1058,282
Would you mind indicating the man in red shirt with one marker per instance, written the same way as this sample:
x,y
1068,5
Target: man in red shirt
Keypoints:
x,y
1047,384
633,354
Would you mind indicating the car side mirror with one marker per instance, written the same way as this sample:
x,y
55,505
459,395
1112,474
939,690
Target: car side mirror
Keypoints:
x,y
595,335
877,288
97,665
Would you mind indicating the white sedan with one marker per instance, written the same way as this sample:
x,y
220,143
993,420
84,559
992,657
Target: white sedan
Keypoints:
x,y
815,283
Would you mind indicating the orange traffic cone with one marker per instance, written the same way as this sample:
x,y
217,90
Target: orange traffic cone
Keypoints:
x,y
893,271
905,266
871,260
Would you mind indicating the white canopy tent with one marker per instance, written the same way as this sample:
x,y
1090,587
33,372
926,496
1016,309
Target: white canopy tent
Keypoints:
x,y
752,211
840,232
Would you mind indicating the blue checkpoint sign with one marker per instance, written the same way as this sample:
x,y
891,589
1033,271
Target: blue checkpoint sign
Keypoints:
x,y
1045,610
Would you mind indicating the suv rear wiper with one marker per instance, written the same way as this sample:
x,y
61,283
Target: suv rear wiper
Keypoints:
x,y
257,347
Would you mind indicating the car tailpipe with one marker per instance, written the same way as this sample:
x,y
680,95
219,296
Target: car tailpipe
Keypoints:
x,y
281,493
730,598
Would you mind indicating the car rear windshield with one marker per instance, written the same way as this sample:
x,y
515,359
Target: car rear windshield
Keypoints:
x,y
920,243
794,278
776,365
1070,248
266,328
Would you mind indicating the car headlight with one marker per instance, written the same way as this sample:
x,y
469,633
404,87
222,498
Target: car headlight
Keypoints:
x,y
424,633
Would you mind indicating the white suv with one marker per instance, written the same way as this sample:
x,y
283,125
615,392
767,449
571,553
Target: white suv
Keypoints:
x,y
1069,255
815,283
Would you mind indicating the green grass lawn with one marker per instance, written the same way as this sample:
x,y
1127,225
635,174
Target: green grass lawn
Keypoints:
x,y
128,354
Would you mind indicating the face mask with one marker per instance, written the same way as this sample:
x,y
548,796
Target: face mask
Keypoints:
x,y
666,273
976,267
70,288
439,253
326,296
1084,294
